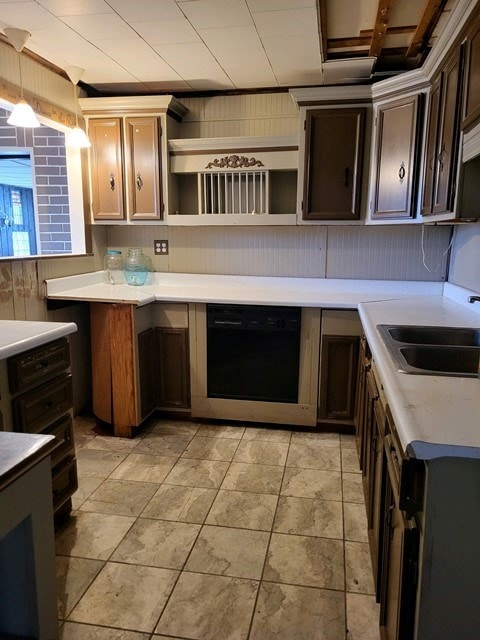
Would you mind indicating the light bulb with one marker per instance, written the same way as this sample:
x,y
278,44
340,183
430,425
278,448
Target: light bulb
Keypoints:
x,y
77,138
23,116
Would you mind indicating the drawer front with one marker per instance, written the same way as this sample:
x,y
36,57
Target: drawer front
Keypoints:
x,y
37,409
63,432
38,365
64,482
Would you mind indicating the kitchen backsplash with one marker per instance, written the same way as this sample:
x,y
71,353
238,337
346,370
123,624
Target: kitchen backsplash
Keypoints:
x,y
384,253
465,260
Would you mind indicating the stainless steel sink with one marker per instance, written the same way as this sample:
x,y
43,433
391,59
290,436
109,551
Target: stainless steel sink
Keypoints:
x,y
442,351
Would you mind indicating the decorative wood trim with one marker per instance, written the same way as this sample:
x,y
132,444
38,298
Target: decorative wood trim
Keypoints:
x,y
234,162
244,144
11,93
129,105
201,152
339,95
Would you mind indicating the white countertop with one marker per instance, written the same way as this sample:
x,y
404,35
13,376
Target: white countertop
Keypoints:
x,y
187,287
435,416
17,336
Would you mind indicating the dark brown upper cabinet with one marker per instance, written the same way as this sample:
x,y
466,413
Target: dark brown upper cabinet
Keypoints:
x,y
397,139
333,163
441,156
471,103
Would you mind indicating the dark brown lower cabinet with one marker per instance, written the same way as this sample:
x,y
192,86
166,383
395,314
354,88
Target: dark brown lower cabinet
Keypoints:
x,y
171,355
339,358
399,545
146,366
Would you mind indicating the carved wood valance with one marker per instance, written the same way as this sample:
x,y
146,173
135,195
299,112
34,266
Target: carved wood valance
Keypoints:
x,y
234,162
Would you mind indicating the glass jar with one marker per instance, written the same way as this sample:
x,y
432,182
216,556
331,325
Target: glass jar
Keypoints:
x,y
113,265
135,267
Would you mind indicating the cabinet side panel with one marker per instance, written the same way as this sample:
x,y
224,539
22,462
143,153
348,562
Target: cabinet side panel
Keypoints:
x,y
101,367
124,372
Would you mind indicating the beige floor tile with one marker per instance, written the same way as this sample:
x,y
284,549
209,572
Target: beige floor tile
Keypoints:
x,y
358,568
78,631
143,467
355,518
74,575
348,441
314,455
257,478
198,473
312,483
164,445
157,543
183,504
86,486
267,434
111,443
120,497
362,617
287,612
229,552
206,448
309,517
244,510
92,535
126,596
96,463
171,427
221,431
350,460
353,487
85,424
261,452
201,605
326,439
82,439
306,561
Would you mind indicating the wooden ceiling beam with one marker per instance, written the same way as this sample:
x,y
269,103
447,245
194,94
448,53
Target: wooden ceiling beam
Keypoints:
x,y
380,28
322,27
431,14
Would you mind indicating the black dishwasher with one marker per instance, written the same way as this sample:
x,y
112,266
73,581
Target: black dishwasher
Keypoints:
x,y
253,352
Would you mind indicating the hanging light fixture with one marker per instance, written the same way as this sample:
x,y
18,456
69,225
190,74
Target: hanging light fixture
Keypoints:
x,y
77,136
22,115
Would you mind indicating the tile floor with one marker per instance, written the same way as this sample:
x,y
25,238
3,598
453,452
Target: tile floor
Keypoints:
x,y
215,532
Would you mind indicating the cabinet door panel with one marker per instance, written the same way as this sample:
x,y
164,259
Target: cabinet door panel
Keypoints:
x,y
106,168
431,150
146,366
471,111
338,373
333,162
397,125
143,168
171,347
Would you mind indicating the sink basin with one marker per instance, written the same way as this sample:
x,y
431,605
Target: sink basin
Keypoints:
x,y
442,360
434,335
441,351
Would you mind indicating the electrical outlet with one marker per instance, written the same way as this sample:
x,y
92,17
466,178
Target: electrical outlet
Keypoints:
x,y
160,247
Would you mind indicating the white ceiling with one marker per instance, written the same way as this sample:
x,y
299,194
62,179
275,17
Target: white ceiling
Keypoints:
x,y
195,45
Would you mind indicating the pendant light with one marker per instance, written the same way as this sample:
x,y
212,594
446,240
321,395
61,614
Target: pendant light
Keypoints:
x,y
22,115
77,136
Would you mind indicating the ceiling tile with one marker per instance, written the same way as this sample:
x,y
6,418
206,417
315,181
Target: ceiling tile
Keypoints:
x,y
172,86
209,14
230,38
98,26
300,79
166,31
247,66
274,5
346,18
190,60
75,7
293,53
25,15
288,22
146,10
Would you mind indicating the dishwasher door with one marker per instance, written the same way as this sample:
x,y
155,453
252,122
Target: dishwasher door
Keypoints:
x,y
253,352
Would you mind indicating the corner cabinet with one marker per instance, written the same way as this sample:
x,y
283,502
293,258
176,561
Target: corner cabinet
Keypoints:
x,y
393,194
333,164
128,155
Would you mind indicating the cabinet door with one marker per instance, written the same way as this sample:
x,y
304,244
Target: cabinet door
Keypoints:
x,y
171,346
431,149
364,364
143,168
397,137
106,168
146,371
338,369
448,137
333,164
471,109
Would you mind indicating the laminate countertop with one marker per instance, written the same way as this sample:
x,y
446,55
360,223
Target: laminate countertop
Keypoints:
x,y
17,336
435,416
21,451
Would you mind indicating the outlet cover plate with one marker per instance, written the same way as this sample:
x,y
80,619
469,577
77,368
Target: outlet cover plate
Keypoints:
x,y
160,247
